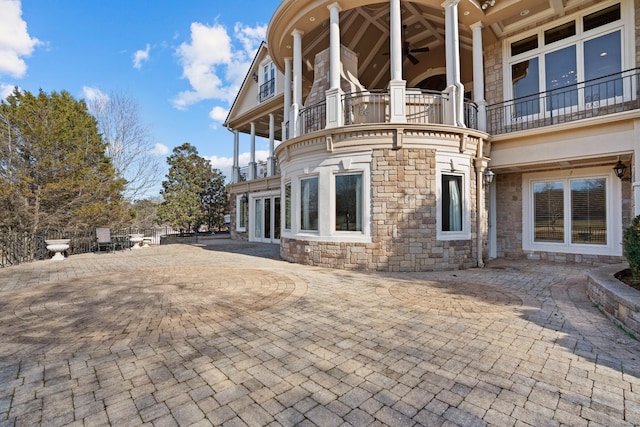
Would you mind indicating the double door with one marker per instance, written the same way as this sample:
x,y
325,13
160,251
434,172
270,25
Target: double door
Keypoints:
x,y
265,213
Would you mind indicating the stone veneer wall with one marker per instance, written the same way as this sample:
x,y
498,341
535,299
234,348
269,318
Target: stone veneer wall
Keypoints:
x,y
403,223
508,189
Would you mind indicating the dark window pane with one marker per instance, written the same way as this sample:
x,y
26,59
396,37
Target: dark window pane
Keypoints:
x,y
602,17
524,45
451,203
349,202
548,205
525,78
589,211
561,78
560,32
309,205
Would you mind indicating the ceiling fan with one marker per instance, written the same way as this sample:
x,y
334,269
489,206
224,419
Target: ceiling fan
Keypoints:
x,y
407,51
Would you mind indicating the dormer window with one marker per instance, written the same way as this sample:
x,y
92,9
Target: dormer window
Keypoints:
x,y
267,81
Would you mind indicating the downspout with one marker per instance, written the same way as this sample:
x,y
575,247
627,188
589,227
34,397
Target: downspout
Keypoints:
x,y
479,199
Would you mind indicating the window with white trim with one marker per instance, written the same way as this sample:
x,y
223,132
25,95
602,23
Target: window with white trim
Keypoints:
x,y
349,202
453,201
574,214
287,206
241,213
268,81
309,204
588,48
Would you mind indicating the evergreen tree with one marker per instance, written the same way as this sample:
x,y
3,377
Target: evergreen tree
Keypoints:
x,y
191,189
54,173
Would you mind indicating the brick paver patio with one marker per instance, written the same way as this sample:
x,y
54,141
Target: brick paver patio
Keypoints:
x,y
224,334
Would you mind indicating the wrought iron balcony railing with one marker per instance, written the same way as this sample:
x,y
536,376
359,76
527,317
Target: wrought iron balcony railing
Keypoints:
x,y
267,90
605,95
370,107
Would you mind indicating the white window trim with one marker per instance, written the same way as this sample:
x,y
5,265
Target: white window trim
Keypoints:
x,y
625,25
365,198
326,169
614,214
460,164
283,208
238,213
299,205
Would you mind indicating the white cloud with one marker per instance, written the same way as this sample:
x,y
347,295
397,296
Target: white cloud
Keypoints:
x,y
160,150
15,41
92,94
213,64
6,90
218,114
139,56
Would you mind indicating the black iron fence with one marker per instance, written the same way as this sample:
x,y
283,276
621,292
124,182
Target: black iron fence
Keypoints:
x,y
20,247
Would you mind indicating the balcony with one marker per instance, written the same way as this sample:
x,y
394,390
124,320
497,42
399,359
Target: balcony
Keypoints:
x,y
267,90
605,95
370,107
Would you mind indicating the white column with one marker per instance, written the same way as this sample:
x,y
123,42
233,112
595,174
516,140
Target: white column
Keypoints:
x,y
297,81
287,101
397,86
236,150
395,32
634,171
452,51
252,162
334,94
478,76
271,161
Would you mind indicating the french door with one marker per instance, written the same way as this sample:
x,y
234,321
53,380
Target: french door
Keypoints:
x,y
266,219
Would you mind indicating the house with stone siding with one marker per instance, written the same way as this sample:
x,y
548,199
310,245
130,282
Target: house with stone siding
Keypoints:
x,y
427,135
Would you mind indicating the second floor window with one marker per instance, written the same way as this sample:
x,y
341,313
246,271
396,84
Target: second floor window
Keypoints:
x,y
268,83
588,48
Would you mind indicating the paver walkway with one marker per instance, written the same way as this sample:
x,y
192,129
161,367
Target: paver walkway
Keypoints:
x,y
226,334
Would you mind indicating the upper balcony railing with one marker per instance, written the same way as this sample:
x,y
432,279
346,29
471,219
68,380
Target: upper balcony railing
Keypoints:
x,y
267,90
370,107
605,95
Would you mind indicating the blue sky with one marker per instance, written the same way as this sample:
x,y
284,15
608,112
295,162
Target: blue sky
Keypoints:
x,y
181,61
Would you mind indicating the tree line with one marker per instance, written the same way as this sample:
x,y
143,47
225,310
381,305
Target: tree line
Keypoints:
x,y
69,165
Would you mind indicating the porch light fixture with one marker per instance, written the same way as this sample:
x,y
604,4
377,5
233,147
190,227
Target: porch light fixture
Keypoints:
x,y
255,77
488,176
244,198
488,3
620,168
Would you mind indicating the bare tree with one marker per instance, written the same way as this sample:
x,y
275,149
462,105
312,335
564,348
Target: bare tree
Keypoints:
x,y
129,144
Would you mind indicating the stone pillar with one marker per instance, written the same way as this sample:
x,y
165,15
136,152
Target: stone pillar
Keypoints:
x,y
478,76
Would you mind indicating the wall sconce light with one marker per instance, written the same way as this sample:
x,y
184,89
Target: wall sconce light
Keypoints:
x,y
255,77
620,168
488,3
488,176
244,198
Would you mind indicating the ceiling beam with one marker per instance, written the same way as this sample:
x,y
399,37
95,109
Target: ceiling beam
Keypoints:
x,y
557,6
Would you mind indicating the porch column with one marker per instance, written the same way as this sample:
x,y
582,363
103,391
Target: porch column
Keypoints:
x,y
478,76
452,51
235,176
397,86
271,161
334,94
286,126
297,81
252,162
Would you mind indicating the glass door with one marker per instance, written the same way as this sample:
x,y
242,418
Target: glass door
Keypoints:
x,y
266,219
